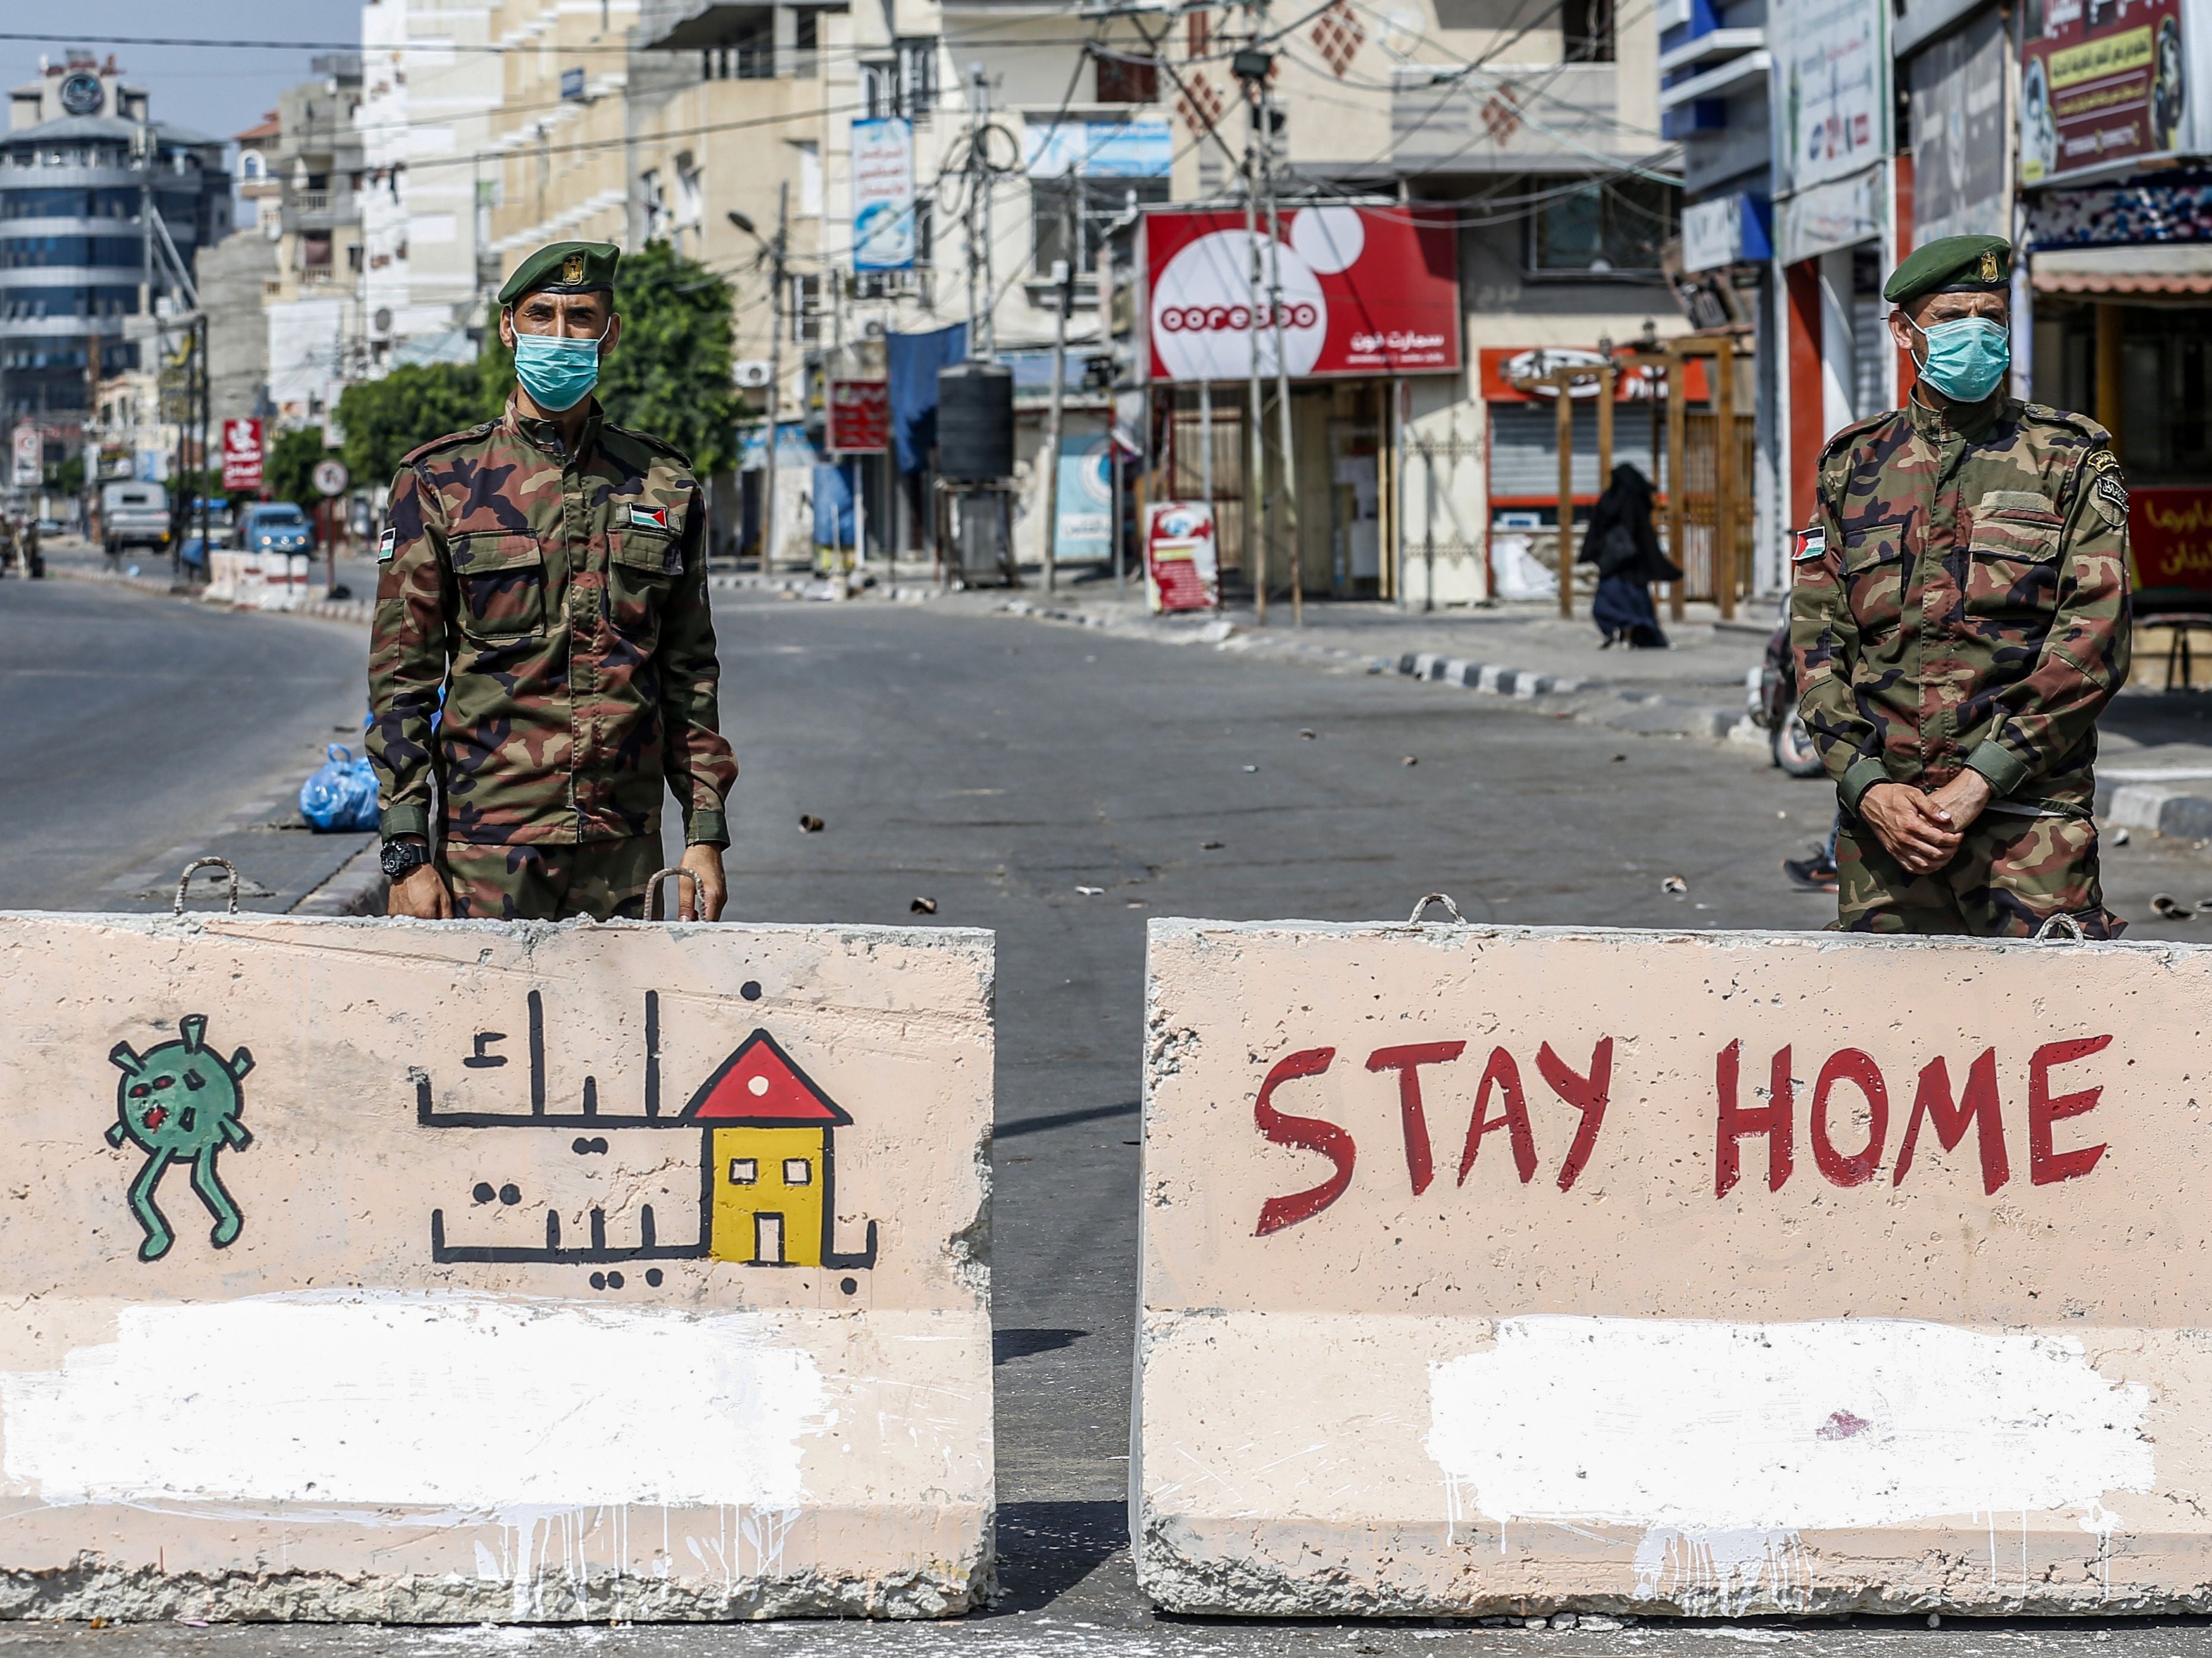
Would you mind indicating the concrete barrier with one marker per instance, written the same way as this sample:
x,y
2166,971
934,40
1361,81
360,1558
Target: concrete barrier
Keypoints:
x,y
1489,1270
373,1269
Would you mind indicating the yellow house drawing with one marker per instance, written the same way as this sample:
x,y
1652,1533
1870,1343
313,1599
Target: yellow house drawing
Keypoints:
x,y
769,1174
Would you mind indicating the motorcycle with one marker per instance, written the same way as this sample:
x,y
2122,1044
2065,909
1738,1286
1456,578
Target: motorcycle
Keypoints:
x,y
1774,705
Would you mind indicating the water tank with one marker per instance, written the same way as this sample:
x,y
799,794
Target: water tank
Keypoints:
x,y
975,421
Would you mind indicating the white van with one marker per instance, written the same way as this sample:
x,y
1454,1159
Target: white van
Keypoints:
x,y
133,515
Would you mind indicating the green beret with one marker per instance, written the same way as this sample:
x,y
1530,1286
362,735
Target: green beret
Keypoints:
x,y
564,268
1952,264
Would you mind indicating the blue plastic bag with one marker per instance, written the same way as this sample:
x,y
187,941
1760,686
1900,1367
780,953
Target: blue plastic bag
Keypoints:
x,y
341,795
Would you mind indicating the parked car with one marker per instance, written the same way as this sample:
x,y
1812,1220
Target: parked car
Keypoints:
x,y
133,515
274,526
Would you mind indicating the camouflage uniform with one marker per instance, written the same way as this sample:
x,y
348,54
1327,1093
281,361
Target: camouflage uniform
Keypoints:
x,y
566,594
1962,600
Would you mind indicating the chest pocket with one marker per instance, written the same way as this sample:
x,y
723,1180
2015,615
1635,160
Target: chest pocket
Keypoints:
x,y
643,565
1874,574
2012,556
502,578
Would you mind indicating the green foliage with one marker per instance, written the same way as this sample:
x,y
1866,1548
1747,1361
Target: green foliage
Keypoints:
x,y
66,477
289,470
670,372
384,419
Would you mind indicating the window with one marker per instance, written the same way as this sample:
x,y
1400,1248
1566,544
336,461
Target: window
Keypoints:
x,y
1198,26
1603,229
691,190
797,1171
745,1171
1098,203
806,36
904,84
1128,81
249,165
810,178
1587,29
653,200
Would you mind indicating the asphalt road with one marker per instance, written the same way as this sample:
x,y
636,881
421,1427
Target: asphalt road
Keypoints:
x,y
136,725
997,766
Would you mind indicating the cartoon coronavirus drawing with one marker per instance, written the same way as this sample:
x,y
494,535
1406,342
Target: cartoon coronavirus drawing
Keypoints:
x,y
180,1101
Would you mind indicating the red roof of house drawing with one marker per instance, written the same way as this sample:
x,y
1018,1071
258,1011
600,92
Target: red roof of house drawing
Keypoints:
x,y
759,1086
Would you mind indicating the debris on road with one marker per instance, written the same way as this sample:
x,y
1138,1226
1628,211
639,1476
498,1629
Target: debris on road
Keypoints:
x,y
1251,768
811,823
1307,735
922,907
2120,837
1090,892
2161,903
1674,886
1410,760
1209,846
1620,756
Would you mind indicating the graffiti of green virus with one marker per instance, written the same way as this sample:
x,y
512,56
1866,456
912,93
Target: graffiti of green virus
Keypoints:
x,y
179,1102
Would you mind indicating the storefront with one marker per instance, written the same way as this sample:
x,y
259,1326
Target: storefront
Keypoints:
x,y
2119,268
1370,297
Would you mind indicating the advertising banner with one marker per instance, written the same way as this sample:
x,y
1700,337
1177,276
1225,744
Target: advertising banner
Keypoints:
x,y
1183,568
860,416
1505,371
2099,82
1084,534
883,194
241,454
1831,88
1141,148
1957,89
2170,534
28,456
1365,290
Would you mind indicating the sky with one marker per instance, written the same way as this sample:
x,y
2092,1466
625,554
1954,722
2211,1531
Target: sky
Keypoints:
x,y
219,91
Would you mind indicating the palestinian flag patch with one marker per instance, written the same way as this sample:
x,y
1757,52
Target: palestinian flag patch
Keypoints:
x,y
1806,545
650,517
386,547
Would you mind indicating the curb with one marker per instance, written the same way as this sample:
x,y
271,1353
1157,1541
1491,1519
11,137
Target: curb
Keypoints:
x,y
822,589
359,611
2163,808
1490,677
359,888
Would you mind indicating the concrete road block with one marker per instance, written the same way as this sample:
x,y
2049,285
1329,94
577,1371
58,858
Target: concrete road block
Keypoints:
x,y
1495,1270
373,1270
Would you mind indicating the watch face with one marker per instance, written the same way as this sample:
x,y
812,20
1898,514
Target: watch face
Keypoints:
x,y
80,94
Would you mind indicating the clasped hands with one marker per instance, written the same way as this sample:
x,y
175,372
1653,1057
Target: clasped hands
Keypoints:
x,y
1922,831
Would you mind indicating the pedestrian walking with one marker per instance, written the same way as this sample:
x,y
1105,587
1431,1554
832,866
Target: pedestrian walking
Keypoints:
x,y
544,575
1621,540
1960,615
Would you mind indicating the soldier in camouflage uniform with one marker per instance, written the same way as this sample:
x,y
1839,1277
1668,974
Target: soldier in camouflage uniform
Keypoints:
x,y
545,573
1961,616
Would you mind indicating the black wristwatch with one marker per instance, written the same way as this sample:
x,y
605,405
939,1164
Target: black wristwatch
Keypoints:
x,y
401,858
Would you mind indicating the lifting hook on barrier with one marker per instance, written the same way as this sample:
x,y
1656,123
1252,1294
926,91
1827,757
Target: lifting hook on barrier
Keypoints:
x,y
1422,908
193,868
653,892
2044,934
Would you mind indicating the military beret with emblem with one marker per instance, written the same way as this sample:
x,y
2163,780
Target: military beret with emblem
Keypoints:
x,y
564,268
1952,264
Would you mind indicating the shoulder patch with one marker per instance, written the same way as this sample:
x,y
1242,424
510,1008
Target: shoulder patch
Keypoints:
x,y
2110,497
446,442
1806,545
2102,460
387,545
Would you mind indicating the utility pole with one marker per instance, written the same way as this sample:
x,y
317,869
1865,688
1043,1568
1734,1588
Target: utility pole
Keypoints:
x,y
1283,407
1066,273
775,252
982,336
1256,462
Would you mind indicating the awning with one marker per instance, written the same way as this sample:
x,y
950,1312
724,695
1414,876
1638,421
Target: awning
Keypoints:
x,y
2183,269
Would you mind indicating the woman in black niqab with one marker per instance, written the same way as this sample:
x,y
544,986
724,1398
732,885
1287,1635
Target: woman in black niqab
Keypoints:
x,y
1619,539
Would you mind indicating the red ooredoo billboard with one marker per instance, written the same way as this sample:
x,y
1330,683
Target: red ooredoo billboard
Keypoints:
x,y
1365,290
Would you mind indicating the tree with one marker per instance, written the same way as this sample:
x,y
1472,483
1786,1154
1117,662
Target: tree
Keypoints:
x,y
384,419
290,470
670,375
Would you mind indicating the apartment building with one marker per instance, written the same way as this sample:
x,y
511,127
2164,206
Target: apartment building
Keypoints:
x,y
431,91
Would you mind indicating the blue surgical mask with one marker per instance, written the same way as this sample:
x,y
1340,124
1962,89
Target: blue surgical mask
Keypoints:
x,y
557,371
1965,358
